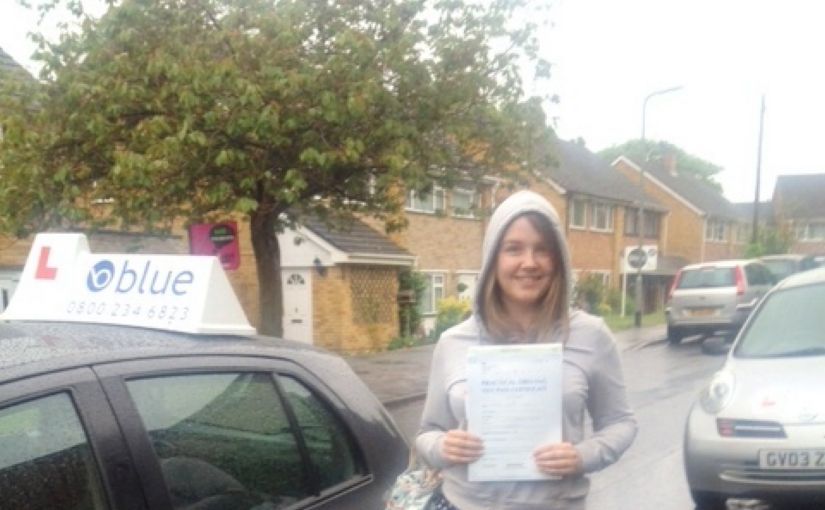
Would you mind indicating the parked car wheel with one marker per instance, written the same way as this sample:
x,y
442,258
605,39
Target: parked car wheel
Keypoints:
x,y
708,500
674,335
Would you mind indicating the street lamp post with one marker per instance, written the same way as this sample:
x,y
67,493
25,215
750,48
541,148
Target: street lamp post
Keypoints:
x,y
641,217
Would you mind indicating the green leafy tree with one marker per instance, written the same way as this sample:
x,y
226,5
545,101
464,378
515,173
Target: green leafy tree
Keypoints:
x,y
770,240
168,110
650,150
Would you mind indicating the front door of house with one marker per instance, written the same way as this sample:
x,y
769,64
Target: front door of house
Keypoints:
x,y
297,290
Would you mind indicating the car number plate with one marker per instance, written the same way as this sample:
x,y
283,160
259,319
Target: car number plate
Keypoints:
x,y
701,312
792,459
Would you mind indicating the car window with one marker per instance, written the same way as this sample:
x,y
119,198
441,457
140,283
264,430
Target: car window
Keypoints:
x,y
780,268
808,262
769,277
227,440
327,442
45,459
758,274
752,275
790,322
707,277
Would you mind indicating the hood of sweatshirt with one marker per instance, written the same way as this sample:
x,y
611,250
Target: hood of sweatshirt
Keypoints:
x,y
514,206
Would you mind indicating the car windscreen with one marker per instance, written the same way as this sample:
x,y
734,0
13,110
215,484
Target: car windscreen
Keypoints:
x,y
707,277
789,323
781,268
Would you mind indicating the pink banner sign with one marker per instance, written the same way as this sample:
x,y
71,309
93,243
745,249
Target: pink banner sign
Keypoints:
x,y
219,239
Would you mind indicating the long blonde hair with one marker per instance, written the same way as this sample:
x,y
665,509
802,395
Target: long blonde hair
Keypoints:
x,y
554,302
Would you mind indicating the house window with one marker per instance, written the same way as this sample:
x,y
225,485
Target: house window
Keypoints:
x,y
602,217
716,231
466,287
433,293
578,216
631,223
464,203
651,225
813,231
429,200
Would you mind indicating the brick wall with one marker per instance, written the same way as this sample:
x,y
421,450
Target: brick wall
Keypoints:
x,y
443,242
355,308
726,250
244,280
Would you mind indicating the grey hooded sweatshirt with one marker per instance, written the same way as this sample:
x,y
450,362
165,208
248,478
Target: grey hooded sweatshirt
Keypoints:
x,y
592,384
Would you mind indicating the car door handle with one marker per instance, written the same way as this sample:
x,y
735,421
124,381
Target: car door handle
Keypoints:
x,y
296,321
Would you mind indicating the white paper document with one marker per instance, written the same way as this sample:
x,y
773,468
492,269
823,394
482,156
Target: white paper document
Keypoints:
x,y
514,406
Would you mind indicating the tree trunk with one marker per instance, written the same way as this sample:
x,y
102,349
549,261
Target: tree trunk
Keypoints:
x,y
268,261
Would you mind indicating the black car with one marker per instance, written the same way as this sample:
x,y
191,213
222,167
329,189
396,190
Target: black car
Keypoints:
x,y
95,416
118,416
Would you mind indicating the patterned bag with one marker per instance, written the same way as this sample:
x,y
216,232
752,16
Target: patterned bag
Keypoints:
x,y
413,488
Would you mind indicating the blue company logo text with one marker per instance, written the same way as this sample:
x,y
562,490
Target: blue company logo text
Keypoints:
x,y
138,279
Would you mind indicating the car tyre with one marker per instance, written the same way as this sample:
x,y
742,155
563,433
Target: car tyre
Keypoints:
x,y
674,336
709,500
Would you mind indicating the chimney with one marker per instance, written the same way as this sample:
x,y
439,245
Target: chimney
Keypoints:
x,y
669,163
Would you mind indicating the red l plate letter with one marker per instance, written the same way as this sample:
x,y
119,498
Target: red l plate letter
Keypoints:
x,y
44,272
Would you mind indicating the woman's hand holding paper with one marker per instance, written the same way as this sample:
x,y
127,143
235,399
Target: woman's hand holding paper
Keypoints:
x,y
461,447
562,459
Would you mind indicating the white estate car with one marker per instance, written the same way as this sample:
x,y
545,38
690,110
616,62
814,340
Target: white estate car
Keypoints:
x,y
758,428
714,296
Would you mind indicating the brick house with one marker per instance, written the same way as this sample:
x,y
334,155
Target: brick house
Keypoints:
x,y
702,224
798,205
340,286
595,204
445,229
601,220
744,210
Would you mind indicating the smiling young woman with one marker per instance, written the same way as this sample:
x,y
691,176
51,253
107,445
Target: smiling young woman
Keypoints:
x,y
523,297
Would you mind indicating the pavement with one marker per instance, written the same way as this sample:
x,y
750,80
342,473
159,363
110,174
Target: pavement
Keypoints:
x,y
399,377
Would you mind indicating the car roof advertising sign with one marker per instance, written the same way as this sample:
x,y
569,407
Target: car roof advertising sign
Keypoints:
x,y
63,281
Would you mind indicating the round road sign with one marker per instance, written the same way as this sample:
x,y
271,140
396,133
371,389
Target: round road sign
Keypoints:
x,y
636,258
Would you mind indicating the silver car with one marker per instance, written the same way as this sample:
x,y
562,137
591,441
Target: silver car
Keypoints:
x,y
787,264
758,429
714,296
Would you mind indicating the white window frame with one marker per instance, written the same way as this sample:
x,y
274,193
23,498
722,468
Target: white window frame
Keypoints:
x,y
805,232
574,204
473,200
472,288
435,281
434,204
716,231
596,208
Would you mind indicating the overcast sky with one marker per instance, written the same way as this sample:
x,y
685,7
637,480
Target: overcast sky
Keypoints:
x,y
608,55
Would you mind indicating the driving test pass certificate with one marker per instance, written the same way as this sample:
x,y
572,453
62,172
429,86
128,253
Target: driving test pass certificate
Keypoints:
x,y
514,406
